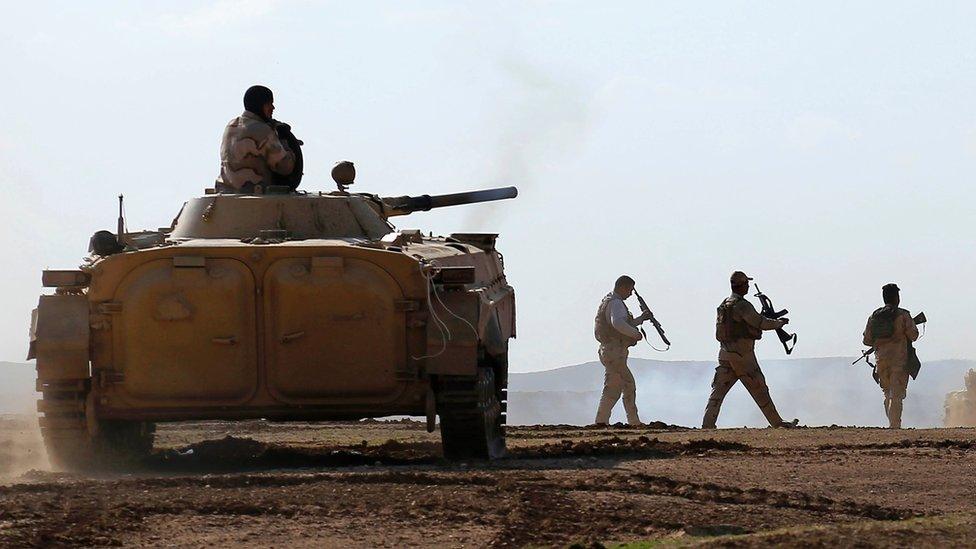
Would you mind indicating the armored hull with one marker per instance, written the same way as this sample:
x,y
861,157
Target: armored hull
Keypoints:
x,y
287,307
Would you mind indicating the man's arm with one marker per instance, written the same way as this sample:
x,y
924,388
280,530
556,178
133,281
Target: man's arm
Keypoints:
x,y
280,159
619,319
868,340
751,316
641,319
911,330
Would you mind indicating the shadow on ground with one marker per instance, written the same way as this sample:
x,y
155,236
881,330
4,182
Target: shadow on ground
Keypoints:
x,y
242,454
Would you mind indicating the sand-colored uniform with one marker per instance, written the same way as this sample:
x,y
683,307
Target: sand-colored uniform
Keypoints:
x,y
737,362
250,153
615,331
891,354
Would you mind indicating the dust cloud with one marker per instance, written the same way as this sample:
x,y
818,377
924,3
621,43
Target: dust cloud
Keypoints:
x,y
21,447
548,120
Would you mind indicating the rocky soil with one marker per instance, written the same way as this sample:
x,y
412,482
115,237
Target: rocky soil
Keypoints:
x,y
385,484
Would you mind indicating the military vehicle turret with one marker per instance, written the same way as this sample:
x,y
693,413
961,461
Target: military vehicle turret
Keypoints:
x,y
279,305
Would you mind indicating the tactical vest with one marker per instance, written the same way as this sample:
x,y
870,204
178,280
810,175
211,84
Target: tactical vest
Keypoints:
x,y
882,323
727,328
602,330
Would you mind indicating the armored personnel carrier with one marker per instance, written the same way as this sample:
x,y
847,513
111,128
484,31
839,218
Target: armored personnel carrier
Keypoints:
x,y
280,305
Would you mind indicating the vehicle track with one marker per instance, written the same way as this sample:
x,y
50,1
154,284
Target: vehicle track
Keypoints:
x,y
946,444
715,493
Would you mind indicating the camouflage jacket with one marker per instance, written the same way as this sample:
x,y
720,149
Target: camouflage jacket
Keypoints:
x,y
250,153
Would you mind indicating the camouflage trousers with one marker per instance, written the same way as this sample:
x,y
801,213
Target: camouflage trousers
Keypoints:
x,y
727,373
894,384
618,381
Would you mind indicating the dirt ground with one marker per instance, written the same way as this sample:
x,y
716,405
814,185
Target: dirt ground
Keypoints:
x,y
380,484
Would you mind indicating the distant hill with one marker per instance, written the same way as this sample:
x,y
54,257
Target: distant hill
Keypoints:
x,y
819,391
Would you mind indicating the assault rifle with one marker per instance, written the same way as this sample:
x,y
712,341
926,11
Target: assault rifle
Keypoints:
x,y
912,357
866,357
770,312
657,325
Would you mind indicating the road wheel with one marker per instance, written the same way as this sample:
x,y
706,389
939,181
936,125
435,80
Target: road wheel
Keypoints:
x,y
76,441
471,410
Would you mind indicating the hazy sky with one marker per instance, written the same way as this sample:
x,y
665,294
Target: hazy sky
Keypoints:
x,y
824,148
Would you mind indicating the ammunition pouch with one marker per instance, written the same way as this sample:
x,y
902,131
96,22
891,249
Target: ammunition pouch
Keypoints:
x,y
727,329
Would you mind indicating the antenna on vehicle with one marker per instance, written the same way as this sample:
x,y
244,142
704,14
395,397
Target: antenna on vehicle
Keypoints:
x,y
121,227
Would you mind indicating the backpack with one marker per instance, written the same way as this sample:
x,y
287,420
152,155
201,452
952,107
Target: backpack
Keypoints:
x,y
724,323
728,329
883,322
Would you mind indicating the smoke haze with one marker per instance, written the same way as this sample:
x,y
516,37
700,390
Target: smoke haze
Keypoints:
x,y
21,448
819,391
546,119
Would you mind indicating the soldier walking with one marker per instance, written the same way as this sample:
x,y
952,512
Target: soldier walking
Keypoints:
x,y
615,329
890,330
738,326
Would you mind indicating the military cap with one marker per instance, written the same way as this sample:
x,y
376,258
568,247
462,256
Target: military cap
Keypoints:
x,y
739,277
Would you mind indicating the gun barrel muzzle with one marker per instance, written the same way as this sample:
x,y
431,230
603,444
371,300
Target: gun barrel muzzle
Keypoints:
x,y
408,204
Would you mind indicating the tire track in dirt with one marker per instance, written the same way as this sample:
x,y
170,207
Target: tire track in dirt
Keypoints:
x,y
946,444
638,483
713,493
541,510
101,513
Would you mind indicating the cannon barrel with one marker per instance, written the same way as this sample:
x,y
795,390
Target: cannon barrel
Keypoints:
x,y
403,205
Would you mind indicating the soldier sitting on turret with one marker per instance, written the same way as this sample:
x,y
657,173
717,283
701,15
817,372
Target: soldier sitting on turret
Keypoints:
x,y
252,151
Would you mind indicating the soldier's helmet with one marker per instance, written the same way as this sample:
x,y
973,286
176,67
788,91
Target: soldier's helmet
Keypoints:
x,y
971,380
